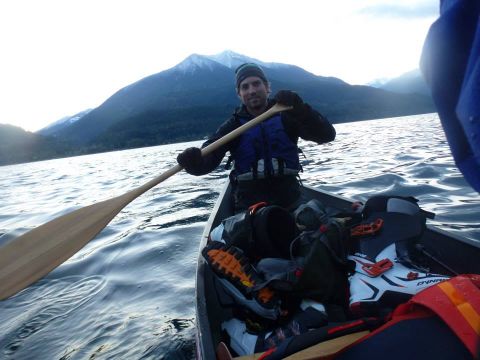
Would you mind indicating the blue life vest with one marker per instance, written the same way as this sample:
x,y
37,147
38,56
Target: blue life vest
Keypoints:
x,y
265,151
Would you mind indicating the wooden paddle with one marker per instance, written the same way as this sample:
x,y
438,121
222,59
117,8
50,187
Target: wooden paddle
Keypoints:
x,y
31,256
321,351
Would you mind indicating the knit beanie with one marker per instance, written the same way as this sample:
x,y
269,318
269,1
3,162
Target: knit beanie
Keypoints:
x,y
246,70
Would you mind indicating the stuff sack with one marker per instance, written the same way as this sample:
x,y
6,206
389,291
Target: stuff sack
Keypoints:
x,y
261,231
322,258
317,267
311,216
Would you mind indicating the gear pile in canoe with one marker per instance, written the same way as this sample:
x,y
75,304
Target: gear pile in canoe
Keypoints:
x,y
335,279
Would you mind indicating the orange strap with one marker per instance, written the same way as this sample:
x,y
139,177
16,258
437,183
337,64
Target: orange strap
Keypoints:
x,y
457,303
463,306
376,269
367,229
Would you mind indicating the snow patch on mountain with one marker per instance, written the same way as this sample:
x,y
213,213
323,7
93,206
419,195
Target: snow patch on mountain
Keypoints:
x,y
233,60
194,62
63,122
378,83
227,58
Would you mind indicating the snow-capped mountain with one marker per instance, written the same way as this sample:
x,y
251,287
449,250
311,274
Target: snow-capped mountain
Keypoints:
x,y
170,105
233,60
227,58
194,62
64,122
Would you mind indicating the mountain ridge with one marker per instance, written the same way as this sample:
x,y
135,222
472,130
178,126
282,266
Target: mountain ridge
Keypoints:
x,y
18,145
169,106
409,82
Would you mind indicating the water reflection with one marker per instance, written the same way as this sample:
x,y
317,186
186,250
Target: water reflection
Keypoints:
x,y
129,293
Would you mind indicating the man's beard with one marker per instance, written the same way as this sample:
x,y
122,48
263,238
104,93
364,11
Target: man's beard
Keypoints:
x,y
256,102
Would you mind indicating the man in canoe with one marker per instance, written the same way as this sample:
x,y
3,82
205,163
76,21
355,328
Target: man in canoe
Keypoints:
x,y
266,157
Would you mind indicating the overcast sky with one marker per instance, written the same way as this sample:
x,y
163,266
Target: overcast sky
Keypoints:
x,y
59,57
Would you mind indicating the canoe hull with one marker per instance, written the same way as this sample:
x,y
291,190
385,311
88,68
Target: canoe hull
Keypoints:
x,y
447,253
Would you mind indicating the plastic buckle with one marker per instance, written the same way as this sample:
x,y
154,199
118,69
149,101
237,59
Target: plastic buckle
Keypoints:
x,y
378,268
367,229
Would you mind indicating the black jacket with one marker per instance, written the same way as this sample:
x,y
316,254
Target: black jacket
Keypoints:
x,y
311,126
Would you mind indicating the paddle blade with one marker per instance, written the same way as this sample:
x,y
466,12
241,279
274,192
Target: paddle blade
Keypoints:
x,y
31,256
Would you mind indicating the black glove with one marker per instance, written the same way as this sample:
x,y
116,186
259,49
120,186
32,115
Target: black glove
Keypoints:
x,y
190,159
291,98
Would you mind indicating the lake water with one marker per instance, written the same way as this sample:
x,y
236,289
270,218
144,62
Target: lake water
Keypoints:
x,y
129,293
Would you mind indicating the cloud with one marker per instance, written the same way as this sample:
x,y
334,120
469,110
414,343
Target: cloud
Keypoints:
x,y
402,11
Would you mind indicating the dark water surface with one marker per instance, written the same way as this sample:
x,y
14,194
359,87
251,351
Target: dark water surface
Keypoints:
x,y
129,293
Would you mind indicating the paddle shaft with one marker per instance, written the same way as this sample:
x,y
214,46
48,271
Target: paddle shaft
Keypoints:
x,y
34,254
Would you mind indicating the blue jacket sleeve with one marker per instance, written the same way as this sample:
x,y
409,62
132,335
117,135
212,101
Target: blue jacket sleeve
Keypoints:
x,y
451,66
